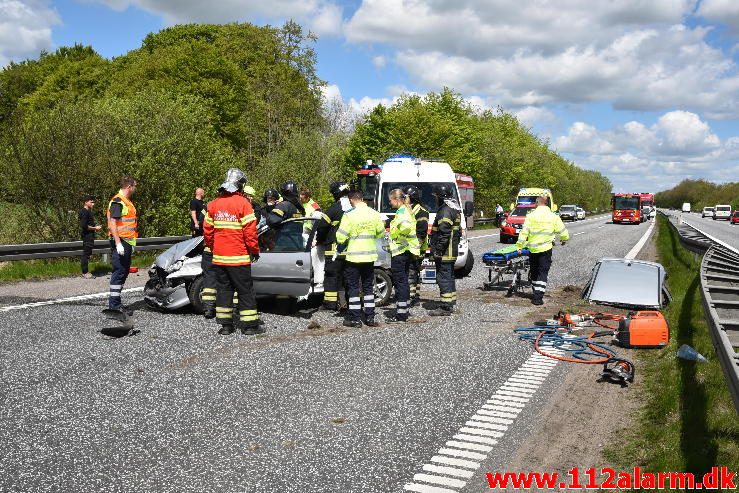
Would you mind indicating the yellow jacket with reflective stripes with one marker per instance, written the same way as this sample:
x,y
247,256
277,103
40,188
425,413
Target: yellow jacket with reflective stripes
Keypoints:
x,y
403,233
539,230
359,229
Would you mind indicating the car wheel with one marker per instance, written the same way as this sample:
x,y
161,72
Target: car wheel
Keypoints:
x,y
468,265
195,294
383,287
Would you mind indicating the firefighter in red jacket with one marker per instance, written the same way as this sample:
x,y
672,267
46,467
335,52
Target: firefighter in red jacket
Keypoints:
x,y
231,233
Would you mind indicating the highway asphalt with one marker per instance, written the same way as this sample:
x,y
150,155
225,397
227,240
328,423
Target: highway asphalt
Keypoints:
x,y
177,408
719,228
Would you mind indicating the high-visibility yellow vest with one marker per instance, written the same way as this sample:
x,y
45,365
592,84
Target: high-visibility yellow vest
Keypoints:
x,y
359,229
539,230
403,233
128,224
421,215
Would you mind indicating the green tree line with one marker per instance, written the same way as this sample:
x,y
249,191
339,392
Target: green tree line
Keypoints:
x,y
196,99
700,194
493,147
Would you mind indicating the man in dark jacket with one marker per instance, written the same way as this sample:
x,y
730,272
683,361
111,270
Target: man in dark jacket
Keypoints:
x,y
87,231
326,236
444,244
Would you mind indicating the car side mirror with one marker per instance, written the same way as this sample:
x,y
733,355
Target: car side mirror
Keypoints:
x,y
469,208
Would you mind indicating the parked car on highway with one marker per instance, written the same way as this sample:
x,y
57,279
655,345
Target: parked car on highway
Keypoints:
x,y
580,213
514,223
284,268
707,212
722,212
735,217
568,212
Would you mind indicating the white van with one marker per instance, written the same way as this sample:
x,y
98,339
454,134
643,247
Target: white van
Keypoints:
x,y
398,171
722,212
686,206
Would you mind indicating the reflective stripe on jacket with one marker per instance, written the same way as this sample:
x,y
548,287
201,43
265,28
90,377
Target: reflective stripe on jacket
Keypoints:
x,y
359,229
128,224
446,234
327,226
403,233
230,230
421,216
539,229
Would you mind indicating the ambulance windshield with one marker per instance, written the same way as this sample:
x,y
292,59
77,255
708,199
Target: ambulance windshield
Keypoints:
x,y
427,198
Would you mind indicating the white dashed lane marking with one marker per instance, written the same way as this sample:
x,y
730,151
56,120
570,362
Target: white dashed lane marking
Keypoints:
x,y
472,443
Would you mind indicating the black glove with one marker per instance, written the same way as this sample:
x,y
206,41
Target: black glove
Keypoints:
x,y
254,257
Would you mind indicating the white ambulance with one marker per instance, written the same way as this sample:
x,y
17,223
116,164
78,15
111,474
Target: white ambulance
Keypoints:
x,y
376,182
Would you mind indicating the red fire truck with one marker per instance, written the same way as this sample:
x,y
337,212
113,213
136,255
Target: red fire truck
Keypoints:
x,y
647,199
626,208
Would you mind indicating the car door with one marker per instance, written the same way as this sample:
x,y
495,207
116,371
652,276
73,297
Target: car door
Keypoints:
x,y
284,266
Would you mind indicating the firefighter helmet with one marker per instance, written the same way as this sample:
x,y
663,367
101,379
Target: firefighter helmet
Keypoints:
x,y
289,189
443,190
235,180
271,193
413,192
338,189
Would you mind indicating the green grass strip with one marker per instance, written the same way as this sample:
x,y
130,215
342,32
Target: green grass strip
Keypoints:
x,y
23,270
688,422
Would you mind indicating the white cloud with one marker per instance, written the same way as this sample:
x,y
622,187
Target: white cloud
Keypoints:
x,y
636,54
584,139
478,28
379,62
25,29
678,145
321,16
531,115
721,11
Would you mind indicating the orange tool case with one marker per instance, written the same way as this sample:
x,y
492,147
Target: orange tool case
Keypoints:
x,y
644,329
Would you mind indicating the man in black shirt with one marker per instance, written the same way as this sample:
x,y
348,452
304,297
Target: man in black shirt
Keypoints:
x,y
197,214
87,232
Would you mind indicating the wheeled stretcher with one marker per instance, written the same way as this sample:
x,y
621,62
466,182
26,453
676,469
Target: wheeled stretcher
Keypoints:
x,y
507,269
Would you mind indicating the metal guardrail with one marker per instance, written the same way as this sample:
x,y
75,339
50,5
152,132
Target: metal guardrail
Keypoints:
x,y
35,251
720,287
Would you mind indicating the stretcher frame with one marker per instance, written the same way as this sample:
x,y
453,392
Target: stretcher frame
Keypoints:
x,y
511,275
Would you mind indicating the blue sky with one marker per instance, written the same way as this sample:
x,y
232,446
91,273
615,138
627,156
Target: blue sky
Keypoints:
x,y
645,91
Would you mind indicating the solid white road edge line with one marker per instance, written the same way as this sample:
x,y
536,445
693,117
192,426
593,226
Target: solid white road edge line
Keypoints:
x,y
640,244
81,297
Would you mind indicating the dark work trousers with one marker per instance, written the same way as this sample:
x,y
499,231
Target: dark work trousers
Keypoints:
x,y
399,267
414,277
333,282
209,281
121,265
230,279
447,287
540,264
88,243
360,277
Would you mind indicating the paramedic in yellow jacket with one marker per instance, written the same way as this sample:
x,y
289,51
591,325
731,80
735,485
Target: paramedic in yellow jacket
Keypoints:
x,y
356,236
539,230
404,248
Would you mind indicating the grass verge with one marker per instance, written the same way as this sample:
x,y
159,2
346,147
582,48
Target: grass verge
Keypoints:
x,y
24,270
687,422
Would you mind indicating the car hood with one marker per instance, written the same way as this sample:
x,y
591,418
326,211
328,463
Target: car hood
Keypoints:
x,y
170,256
627,283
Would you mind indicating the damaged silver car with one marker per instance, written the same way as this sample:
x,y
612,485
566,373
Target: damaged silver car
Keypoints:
x,y
284,268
